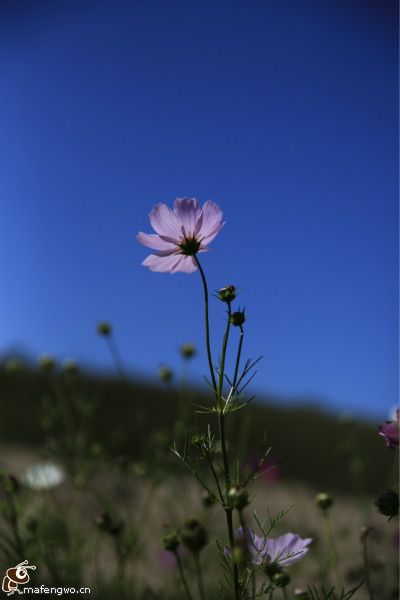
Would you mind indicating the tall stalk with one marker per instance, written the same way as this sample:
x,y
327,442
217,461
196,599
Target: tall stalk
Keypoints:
x,y
218,389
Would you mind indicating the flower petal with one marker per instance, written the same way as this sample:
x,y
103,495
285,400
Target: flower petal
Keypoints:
x,y
186,264
152,240
212,221
161,264
287,549
165,222
188,212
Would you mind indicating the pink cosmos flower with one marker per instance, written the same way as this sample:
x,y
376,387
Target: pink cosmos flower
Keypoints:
x,y
180,234
390,431
287,549
284,551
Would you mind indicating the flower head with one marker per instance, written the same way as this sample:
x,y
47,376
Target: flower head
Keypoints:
x,y
287,549
43,476
390,431
180,234
282,552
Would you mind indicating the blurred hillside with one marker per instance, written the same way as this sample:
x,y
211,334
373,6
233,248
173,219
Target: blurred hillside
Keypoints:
x,y
308,446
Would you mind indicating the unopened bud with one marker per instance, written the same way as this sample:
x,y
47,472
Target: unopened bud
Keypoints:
x,y
207,499
388,504
227,294
170,541
194,535
238,318
323,501
188,351
301,594
47,363
165,374
106,523
238,497
281,579
104,328
70,367
13,365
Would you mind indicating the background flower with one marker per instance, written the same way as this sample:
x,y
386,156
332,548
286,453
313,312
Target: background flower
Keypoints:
x,y
390,431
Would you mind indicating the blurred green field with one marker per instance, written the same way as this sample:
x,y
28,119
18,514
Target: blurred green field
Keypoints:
x,y
310,446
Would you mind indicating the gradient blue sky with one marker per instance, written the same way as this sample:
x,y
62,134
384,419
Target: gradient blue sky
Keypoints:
x,y
283,112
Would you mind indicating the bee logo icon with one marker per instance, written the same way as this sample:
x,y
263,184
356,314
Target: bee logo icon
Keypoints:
x,y
16,576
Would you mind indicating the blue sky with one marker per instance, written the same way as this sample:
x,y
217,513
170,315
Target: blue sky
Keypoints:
x,y
284,113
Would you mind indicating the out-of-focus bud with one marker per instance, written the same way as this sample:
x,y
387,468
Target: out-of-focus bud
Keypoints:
x,y
12,484
13,365
188,351
365,533
238,318
227,294
140,469
281,579
106,523
271,569
323,501
301,594
388,504
194,535
104,328
197,440
165,374
170,541
238,497
70,367
207,499
47,363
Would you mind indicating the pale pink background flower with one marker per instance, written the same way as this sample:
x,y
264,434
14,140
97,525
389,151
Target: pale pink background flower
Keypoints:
x,y
180,234
390,431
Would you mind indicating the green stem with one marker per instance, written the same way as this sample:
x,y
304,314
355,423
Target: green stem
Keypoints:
x,y
332,549
221,497
223,357
285,594
234,382
210,362
235,571
366,568
116,356
199,576
218,393
183,578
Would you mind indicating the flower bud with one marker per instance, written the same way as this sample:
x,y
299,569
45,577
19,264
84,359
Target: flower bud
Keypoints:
x,y
105,522
194,536
70,367
301,594
238,318
104,328
365,533
207,499
238,497
281,579
170,541
165,374
323,501
227,293
13,365
188,351
271,569
47,363
13,485
388,504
